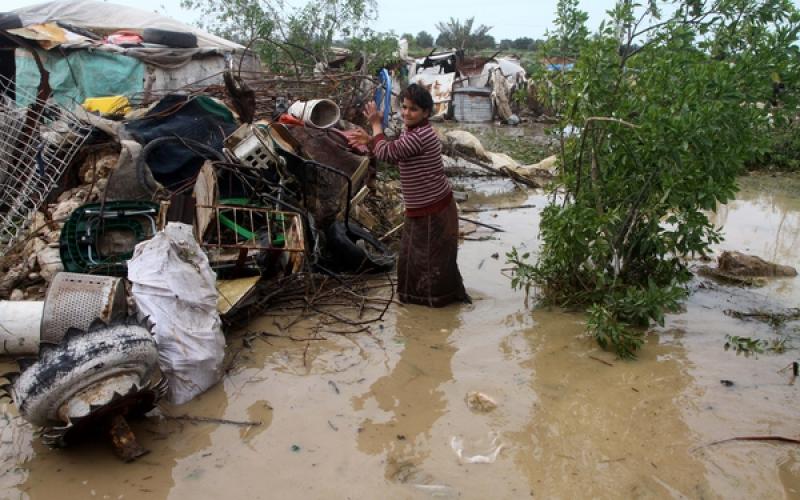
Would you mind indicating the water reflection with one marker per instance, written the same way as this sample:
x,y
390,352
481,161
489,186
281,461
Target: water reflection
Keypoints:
x,y
373,415
410,394
620,424
764,219
91,470
789,473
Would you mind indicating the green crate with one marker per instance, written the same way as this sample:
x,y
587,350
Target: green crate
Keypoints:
x,y
89,226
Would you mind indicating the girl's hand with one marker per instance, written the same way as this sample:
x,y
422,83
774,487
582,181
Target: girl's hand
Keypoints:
x,y
371,113
358,137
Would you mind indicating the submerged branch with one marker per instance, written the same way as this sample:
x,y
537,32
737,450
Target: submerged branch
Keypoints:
x,y
210,420
779,439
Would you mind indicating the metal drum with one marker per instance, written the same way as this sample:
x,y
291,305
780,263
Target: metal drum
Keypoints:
x,y
76,300
472,105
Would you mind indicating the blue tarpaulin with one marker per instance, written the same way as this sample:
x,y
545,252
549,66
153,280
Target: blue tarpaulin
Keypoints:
x,y
76,75
559,67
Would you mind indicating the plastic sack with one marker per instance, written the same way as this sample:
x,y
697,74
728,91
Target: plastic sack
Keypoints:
x,y
174,286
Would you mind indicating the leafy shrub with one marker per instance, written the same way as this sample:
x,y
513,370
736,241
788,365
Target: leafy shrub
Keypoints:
x,y
653,133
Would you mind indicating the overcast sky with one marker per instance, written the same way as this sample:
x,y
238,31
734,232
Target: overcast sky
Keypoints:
x,y
508,18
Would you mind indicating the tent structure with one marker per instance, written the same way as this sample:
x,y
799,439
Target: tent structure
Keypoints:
x,y
105,18
70,39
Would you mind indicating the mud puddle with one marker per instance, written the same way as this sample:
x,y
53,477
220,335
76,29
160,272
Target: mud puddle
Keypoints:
x,y
375,416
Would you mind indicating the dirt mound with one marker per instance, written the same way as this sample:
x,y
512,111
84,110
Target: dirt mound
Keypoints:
x,y
739,264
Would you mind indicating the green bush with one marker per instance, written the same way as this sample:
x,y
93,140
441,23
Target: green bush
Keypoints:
x,y
653,135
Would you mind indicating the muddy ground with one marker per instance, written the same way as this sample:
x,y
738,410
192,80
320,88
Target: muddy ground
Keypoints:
x,y
375,415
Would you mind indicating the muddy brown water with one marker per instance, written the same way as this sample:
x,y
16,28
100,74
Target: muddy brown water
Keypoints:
x,y
375,416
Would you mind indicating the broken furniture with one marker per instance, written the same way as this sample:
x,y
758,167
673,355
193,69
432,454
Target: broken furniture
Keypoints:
x,y
245,234
239,234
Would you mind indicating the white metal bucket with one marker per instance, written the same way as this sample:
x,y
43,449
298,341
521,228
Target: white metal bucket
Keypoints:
x,y
319,113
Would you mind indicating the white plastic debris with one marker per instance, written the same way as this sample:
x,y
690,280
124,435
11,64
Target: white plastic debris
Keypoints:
x,y
467,143
437,490
457,444
502,160
174,286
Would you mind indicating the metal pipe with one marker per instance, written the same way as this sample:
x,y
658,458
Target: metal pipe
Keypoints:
x,y
20,325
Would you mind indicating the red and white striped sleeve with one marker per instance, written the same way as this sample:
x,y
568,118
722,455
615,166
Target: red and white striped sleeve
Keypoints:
x,y
404,147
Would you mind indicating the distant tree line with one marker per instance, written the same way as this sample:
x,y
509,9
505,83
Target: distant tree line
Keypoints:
x,y
522,43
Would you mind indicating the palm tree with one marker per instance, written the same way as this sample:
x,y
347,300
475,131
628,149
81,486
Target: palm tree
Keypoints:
x,y
461,36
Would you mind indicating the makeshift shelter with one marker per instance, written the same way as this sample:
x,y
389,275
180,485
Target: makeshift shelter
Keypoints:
x,y
470,89
75,42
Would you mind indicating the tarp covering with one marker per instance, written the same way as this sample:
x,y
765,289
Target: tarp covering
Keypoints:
x,y
105,17
511,69
199,118
80,74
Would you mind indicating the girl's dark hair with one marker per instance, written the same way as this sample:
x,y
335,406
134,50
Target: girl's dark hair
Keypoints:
x,y
419,95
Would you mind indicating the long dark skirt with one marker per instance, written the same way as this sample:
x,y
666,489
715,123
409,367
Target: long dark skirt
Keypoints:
x,y
427,268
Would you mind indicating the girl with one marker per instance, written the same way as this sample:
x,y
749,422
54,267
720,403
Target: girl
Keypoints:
x,y
427,269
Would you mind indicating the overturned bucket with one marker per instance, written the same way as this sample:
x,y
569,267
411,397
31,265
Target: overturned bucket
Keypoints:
x,y
319,113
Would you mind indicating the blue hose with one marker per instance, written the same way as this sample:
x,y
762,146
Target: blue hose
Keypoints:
x,y
384,94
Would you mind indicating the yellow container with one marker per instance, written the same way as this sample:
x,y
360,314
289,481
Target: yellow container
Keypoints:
x,y
112,105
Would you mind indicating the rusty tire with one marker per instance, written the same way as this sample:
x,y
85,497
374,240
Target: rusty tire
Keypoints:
x,y
79,361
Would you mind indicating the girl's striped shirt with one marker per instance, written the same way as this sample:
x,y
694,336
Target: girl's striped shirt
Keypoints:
x,y
418,153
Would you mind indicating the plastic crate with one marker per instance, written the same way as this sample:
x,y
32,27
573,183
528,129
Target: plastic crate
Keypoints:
x,y
100,238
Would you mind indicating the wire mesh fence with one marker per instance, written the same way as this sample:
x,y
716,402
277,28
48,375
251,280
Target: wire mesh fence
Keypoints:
x,y
37,144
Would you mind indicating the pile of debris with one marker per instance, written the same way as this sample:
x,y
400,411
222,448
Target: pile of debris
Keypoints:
x,y
463,154
134,230
137,224
163,208
470,89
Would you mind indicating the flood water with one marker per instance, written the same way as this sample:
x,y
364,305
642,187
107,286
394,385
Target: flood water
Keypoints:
x,y
375,415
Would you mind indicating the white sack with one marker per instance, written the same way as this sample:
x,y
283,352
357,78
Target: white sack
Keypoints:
x,y
502,160
467,143
174,285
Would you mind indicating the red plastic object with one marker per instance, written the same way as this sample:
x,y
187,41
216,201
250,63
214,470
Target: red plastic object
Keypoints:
x,y
288,119
124,38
